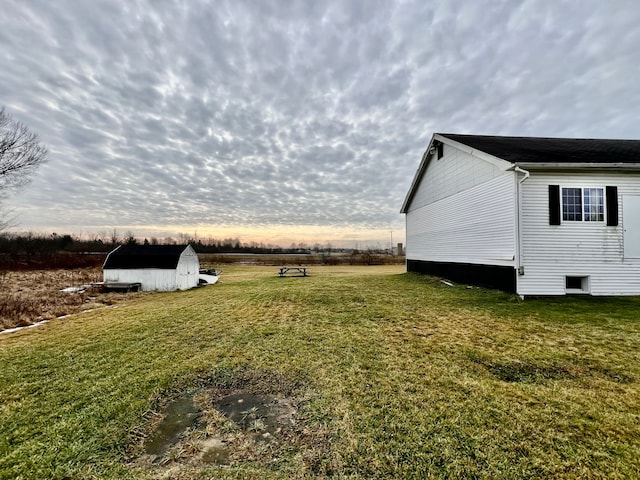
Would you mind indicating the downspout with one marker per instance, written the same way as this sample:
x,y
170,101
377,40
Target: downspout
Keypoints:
x,y
519,266
520,170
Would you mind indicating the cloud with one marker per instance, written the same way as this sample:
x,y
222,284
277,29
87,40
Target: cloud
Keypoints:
x,y
259,114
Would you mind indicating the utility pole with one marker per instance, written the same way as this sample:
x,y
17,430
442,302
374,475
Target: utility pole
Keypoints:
x,y
391,245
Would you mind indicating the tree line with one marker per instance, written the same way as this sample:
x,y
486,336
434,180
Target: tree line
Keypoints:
x,y
41,250
50,250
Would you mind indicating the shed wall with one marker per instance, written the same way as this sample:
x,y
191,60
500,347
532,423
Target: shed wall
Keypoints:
x,y
551,252
152,279
187,272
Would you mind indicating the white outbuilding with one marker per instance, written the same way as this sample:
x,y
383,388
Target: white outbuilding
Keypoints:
x,y
154,267
534,216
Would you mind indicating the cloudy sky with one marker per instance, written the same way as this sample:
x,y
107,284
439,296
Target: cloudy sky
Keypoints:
x,y
292,120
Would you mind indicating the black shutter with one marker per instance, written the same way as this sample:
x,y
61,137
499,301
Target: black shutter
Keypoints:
x,y
612,206
440,151
554,204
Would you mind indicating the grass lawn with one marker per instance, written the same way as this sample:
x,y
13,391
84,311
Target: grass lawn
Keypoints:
x,y
391,375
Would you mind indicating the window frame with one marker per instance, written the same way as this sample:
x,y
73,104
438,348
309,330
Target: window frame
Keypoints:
x,y
586,212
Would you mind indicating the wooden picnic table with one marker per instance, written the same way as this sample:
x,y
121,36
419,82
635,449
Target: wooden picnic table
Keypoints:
x,y
293,271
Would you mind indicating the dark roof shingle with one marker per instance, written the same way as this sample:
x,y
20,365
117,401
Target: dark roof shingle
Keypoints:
x,y
552,150
144,256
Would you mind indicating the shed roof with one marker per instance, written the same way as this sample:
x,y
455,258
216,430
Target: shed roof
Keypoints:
x,y
552,150
144,256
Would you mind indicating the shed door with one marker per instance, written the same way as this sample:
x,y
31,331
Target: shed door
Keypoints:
x,y
631,225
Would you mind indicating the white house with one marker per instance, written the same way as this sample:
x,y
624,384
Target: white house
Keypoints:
x,y
534,216
155,267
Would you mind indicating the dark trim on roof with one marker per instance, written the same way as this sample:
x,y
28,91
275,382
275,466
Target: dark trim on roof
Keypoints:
x,y
144,256
553,150
418,175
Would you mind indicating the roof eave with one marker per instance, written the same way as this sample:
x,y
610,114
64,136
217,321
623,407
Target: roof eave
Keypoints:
x,y
417,176
577,165
474,152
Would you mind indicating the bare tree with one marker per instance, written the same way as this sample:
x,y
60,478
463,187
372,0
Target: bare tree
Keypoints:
x,y
20,153
114,237
130,238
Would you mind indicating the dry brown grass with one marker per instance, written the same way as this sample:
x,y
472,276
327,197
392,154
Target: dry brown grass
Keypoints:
x,y
32,296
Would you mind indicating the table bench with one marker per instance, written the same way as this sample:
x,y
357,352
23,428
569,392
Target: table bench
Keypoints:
x,y
293,271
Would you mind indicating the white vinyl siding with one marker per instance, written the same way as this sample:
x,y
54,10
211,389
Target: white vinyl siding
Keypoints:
x,y
151,279
188,271
590,249
476,225
455,172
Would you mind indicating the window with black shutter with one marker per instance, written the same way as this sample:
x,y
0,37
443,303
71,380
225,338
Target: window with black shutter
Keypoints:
x,y
583,204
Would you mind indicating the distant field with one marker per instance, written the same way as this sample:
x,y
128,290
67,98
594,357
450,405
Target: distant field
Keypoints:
x,y
29,296
372,373
356,258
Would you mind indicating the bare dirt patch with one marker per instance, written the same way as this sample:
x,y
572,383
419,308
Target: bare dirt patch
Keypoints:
x,y
31,296
255,420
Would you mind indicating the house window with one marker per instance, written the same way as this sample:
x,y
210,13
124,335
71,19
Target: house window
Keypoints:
x,y
593,204
580,204
571,204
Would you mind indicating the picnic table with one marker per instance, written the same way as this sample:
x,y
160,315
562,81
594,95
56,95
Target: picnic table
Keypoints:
x,y
293,271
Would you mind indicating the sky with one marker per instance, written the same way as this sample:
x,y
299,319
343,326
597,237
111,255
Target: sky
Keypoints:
x,y
298,121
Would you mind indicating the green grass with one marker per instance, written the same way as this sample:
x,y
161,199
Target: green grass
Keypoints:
x,y
398,375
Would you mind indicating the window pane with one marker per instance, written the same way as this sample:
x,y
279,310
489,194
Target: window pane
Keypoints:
x,y
572,204
594,204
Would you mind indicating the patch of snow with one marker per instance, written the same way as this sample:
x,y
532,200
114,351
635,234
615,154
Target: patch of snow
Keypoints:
x,y
42,322
17,329
79,289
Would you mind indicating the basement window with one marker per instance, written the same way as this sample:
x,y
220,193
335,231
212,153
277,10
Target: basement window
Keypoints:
x,y
576,284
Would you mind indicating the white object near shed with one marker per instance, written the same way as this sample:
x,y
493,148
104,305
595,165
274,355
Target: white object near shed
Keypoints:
x,y
155,267
534,216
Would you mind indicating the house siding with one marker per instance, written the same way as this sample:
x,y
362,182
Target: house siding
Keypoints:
x,y
455,172
475,226
549,253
